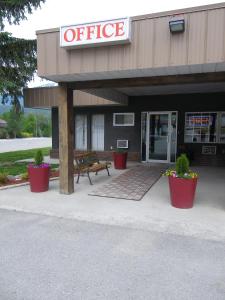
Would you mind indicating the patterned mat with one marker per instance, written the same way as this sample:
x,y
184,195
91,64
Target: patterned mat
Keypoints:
x,y
131,185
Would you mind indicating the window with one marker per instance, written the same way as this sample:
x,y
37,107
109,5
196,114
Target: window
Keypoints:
x,y
143,135
97,132
81,132
204,127
222,128
123,119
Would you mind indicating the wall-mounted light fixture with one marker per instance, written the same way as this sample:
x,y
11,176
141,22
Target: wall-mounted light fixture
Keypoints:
x,y
177,26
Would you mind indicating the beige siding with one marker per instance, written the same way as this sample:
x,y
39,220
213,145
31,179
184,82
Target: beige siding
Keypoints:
x,y
63,58
197,38
116,58
146,52
215,36
75,57
51,53
130,53
179,46
152,46
41,53
162,42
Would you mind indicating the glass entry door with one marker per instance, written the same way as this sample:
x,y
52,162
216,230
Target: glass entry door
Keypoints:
x,y
160,136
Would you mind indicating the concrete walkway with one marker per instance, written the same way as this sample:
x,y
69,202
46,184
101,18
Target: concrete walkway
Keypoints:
x,y
154,212
7,145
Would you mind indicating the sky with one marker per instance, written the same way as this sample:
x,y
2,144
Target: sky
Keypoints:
x,y
55,13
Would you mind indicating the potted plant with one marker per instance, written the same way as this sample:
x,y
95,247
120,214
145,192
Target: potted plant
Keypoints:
x,y
38,174
120,158
182,183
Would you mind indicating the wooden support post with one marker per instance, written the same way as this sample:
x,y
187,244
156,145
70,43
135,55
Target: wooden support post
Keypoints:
x,y
66,140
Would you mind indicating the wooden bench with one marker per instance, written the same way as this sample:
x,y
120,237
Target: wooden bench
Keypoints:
x,y
87,163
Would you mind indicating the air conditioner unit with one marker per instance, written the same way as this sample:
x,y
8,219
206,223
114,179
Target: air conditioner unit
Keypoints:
x,y
209,150
122,144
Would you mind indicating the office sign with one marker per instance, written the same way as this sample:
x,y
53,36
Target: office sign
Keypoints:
x,y
95,34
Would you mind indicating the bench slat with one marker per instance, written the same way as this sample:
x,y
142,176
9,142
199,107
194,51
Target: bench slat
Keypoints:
x,y
88,162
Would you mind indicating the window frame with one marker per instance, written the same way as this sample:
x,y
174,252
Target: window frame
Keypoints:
x,y
85,130
218,126
123,113
92,131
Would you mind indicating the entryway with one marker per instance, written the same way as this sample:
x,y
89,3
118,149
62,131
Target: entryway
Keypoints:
x,y
159,136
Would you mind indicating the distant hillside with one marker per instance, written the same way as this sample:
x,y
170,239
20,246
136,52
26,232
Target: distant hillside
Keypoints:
x,y
46,112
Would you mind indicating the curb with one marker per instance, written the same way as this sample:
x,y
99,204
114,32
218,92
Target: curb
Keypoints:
x,y
21,184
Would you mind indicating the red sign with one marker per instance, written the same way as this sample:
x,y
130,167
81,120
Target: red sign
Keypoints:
x,y
107,32
199,121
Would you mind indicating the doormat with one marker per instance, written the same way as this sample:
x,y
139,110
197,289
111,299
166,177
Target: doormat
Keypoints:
x,y
131,185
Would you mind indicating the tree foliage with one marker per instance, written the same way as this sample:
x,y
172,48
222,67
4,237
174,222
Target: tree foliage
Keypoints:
x,y
18,63
17,56
14,123
14,11
21,125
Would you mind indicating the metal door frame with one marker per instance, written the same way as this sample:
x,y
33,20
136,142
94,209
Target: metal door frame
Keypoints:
x,y
169,113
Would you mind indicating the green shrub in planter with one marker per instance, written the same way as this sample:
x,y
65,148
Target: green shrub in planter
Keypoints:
x,y
38,159
121,150
182,183
182,165
39,173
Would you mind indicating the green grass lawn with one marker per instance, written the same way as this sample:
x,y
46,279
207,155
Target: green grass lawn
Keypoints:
x,y
23,154
17,168
10,166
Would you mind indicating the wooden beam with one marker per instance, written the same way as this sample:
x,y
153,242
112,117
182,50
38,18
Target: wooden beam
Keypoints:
x,y
66,140
148,81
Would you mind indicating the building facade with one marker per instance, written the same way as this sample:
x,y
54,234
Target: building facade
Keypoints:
x,y
158,93
156,132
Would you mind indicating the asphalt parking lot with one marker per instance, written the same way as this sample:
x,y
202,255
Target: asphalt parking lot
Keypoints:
x,y
54,258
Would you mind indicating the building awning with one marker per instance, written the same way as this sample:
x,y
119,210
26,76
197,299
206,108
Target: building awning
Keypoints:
x,y
47,97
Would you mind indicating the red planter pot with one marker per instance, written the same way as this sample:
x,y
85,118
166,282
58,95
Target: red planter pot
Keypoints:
x,y
182,191
39,178
120,160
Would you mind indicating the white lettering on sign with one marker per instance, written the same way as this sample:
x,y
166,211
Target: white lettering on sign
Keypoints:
x,y
97,33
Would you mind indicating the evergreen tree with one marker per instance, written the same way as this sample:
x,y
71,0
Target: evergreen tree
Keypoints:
x,y
17,56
